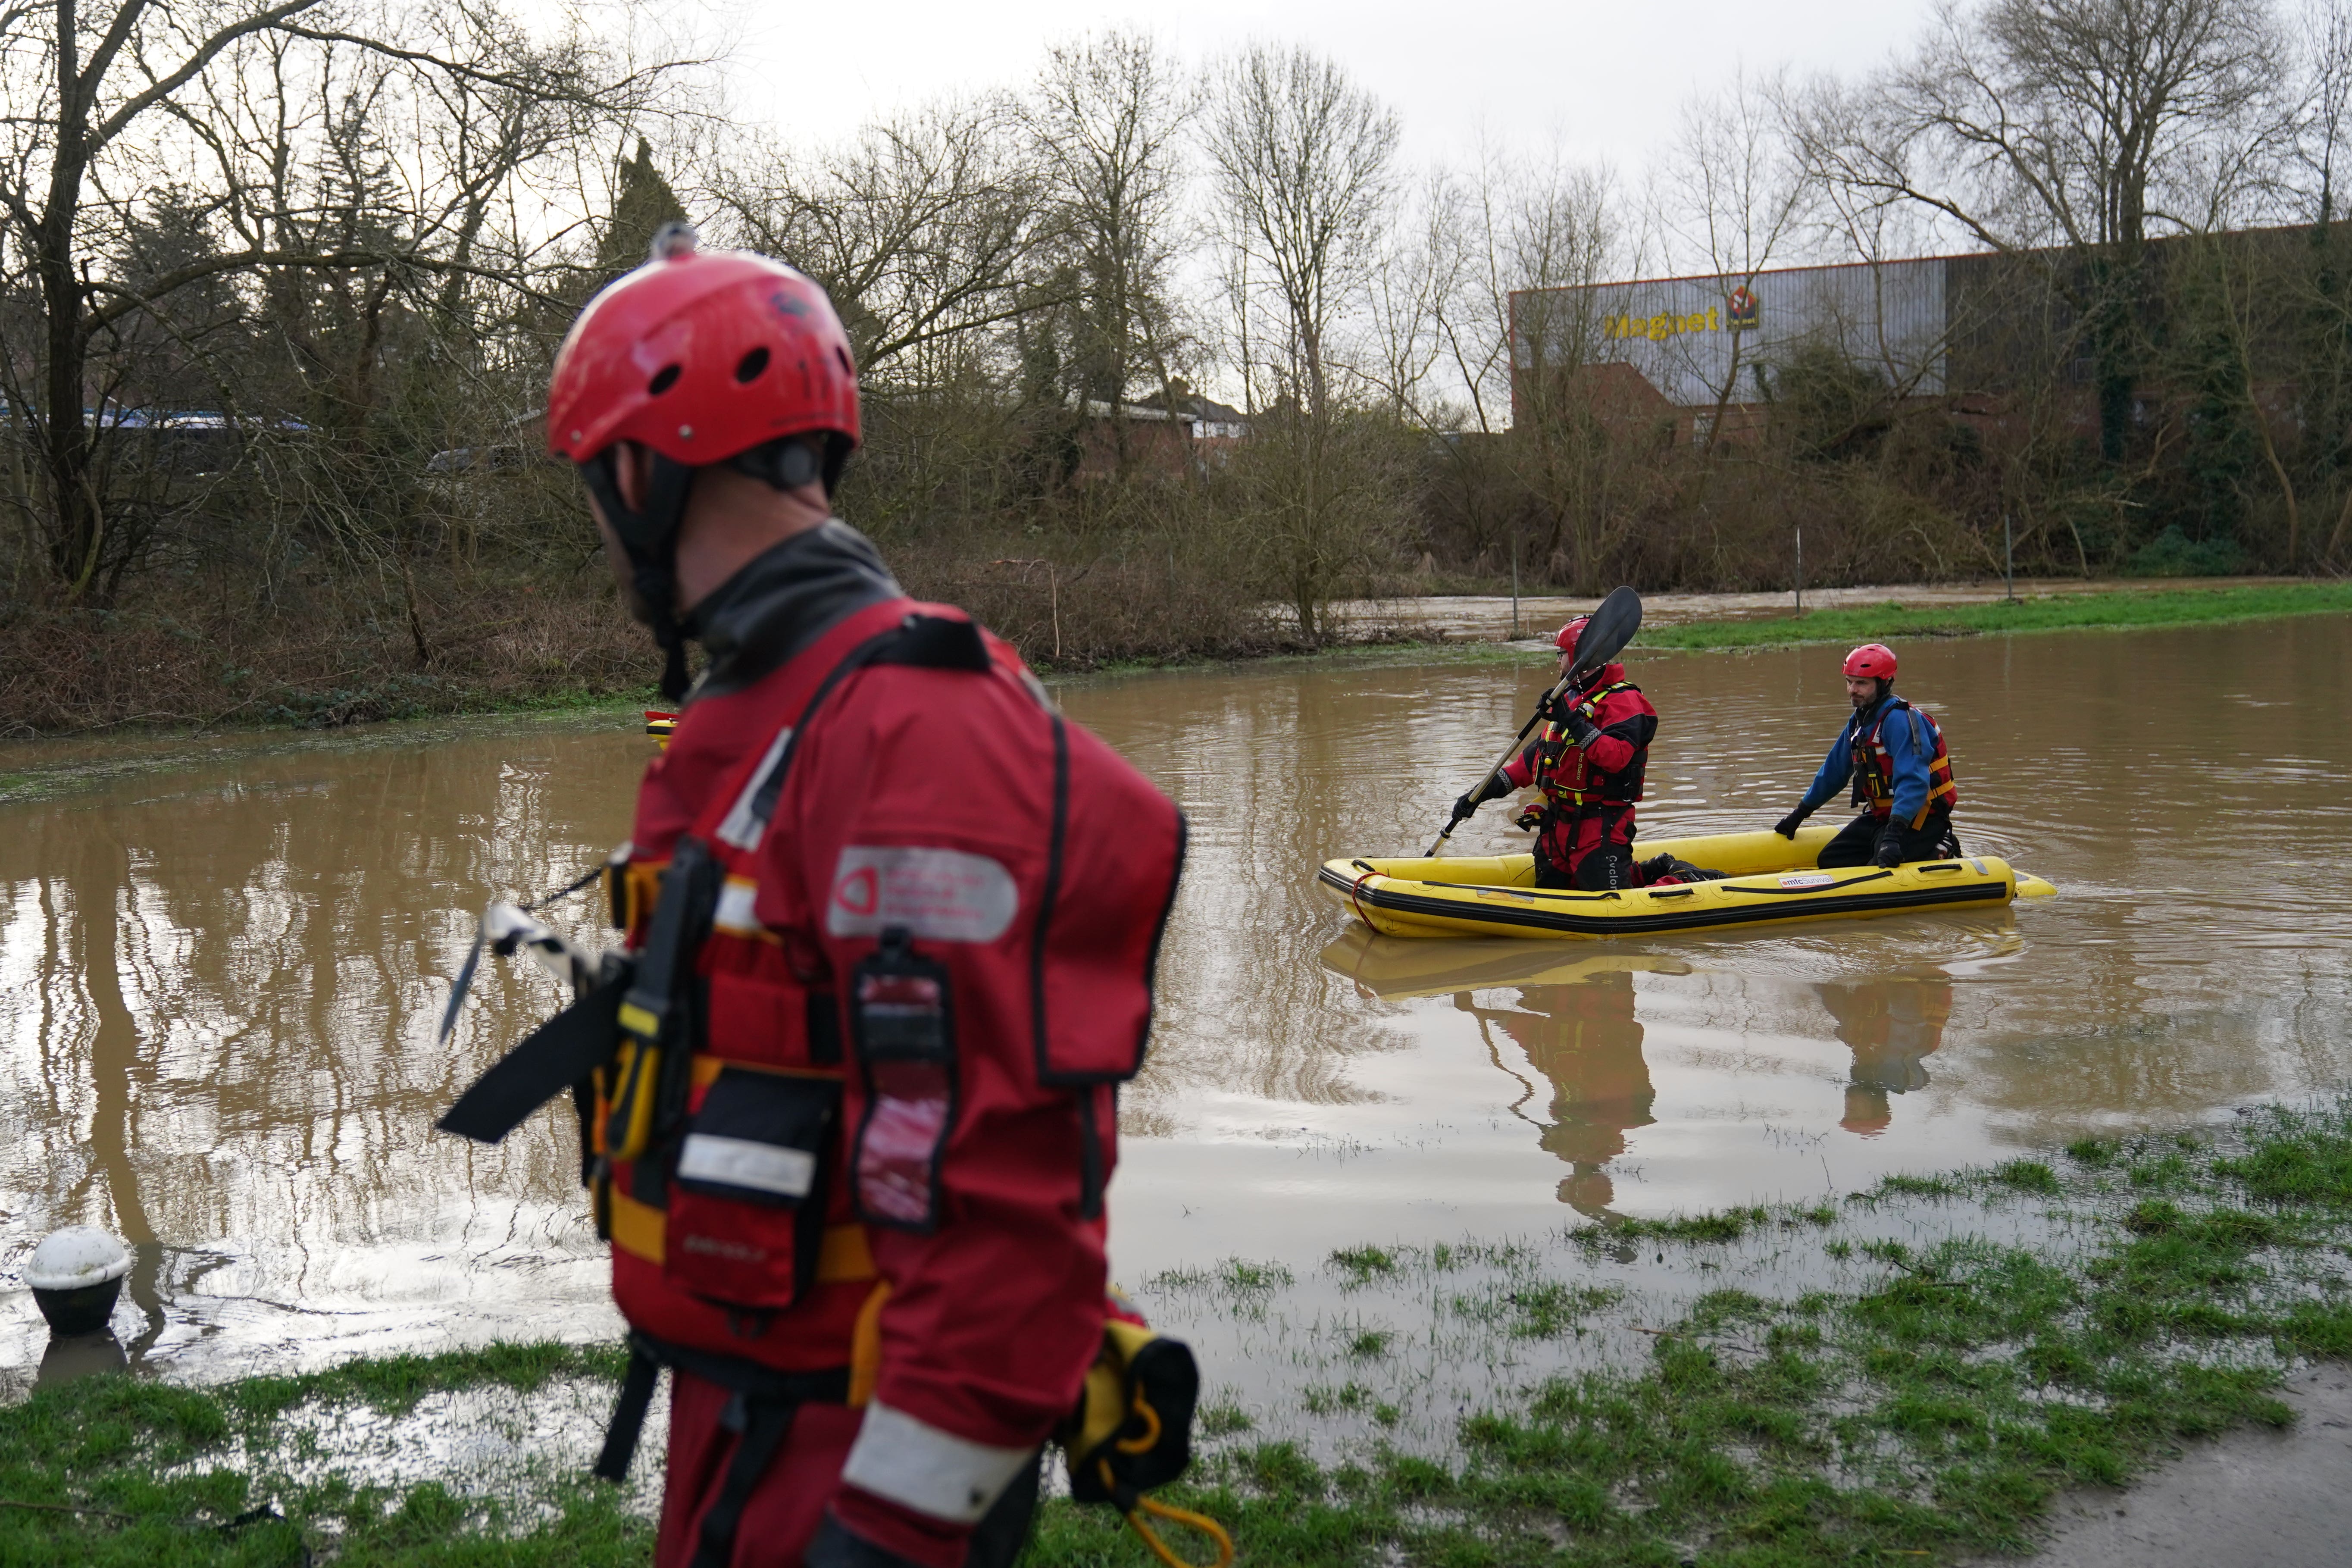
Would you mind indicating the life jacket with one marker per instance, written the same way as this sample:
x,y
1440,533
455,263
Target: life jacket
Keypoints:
x,y
1565,773
1874,767
739,1190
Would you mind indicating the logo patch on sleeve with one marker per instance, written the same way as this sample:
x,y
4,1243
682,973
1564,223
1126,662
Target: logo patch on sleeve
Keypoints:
x,y
945,895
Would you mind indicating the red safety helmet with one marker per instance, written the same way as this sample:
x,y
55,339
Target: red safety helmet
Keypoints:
x,y
1569,634
701,354
1872,661
703,357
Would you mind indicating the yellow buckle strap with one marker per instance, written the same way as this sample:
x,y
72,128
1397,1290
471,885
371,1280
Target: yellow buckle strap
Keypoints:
x,y
866,1347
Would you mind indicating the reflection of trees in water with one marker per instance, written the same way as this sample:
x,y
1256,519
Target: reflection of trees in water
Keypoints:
x,y
1277,772
220,1003
1891,1026
1587,1043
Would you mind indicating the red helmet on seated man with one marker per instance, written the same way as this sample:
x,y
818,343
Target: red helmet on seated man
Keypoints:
x,y
1871,661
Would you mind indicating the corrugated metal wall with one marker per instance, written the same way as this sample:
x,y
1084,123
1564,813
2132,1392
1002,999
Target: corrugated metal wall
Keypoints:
x,y
1700,340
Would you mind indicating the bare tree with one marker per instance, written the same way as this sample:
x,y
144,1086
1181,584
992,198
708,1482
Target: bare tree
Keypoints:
x,y
2327,100
2086,124
1742,202
1427,265
1106,118
1304,161
1304,168
1521,225
282,110
925,229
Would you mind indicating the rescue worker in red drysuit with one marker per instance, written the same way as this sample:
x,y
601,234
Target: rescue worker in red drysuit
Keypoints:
x,y
869,1249
1901,772
1586,761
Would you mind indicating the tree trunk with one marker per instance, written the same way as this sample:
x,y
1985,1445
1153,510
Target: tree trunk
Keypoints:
x,y
75,523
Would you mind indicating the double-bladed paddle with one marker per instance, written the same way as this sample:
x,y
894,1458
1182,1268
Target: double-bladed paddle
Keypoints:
x,y
1604,637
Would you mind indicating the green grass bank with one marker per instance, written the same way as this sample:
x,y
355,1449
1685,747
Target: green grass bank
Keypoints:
x,y
2123,610
2052,1322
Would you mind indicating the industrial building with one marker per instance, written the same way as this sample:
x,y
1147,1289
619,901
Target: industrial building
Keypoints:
x,y
1699,358
1695,351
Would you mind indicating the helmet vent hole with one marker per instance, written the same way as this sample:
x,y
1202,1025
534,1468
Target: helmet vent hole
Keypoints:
x,y
663,379
751,365
843,355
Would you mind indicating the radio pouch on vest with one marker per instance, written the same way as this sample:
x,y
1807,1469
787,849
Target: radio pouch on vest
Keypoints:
x,y
903,1026
1132,1429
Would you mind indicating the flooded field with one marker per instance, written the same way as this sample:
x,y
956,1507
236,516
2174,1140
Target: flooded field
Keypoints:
x,y
222,980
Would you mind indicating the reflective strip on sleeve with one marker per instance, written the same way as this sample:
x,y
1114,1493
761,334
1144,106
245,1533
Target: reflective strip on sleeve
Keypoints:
x,y
915,1465
747,1163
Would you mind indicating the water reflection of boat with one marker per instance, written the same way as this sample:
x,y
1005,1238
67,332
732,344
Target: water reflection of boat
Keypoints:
x,y
1771,881
1392,970
1586,1041
1892,1026
1575,1024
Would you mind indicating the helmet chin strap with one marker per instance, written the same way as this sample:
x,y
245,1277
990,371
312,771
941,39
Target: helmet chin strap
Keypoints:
x,y
649,536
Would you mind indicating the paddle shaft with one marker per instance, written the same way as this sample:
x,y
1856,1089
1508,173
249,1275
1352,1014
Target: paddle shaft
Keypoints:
x,y
1574,677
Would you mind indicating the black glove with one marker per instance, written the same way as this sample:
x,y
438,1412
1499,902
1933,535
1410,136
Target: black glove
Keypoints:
x,y
1787,826
1580,728
836,1547
1494,788
1890,849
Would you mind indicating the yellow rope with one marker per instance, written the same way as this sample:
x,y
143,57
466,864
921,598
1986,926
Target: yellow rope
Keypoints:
x,y
1150,1537
1200,1521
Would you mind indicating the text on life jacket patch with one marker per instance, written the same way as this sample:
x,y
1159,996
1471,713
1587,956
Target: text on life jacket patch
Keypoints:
x,y
944,894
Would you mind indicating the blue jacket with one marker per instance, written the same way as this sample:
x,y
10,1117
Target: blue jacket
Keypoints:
x,y
1907,747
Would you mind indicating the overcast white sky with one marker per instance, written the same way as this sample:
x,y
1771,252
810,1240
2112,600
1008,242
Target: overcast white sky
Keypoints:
x,y
1606,78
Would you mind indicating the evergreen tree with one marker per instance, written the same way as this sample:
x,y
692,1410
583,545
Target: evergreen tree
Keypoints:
x,y
642,204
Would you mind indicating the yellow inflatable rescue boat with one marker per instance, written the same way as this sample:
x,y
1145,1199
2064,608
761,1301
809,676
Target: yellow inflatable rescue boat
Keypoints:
x,y
1768,879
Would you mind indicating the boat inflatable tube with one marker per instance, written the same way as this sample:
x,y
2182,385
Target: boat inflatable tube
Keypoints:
x,y
1769,881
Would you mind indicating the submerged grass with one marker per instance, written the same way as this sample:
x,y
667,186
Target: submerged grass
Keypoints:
x,y
1926,1406
122,1471
2121,610
1928,1410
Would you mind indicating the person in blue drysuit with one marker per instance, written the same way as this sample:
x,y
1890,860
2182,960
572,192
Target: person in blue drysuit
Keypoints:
x,y
1895,756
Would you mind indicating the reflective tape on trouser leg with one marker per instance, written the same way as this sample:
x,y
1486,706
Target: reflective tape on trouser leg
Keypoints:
x,y
917,1466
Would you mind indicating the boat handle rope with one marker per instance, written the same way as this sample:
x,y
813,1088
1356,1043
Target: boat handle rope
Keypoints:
x,y
1356,886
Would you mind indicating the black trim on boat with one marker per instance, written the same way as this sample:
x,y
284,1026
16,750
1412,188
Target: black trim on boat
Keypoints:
x,y
1673,919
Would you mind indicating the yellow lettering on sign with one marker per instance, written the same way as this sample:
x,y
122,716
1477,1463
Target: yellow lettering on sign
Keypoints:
x,y
1664,324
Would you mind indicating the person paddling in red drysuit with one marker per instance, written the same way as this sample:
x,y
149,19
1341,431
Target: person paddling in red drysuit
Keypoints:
x,y
1901,771
852,1150
1586,762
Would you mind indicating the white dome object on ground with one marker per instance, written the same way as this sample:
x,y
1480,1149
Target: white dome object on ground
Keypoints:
x,y
76,1257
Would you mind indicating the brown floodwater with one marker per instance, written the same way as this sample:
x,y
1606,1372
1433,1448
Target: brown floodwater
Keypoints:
x,y
222,968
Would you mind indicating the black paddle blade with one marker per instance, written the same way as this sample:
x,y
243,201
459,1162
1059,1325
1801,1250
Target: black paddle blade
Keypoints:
x,y
1604,637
